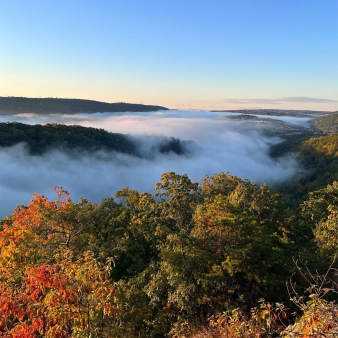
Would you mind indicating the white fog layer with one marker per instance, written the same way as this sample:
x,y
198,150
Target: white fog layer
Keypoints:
x,y
222,145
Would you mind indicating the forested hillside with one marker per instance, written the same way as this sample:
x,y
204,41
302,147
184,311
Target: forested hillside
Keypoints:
x,y
20,105
189,261
41,138
223,258
328,124
277,112
318,157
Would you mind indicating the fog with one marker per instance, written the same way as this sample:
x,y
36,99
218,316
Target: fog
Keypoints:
x,y
220,144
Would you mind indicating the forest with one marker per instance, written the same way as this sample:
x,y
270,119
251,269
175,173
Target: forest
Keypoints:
x,y
221,258
41,138
50,105
327,124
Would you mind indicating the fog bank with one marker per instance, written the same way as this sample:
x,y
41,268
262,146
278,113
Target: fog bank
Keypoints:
x,y
221,145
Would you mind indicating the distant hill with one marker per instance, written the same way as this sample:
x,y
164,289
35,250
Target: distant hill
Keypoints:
x,y
20,105
277,112
327,124
319,158
42,138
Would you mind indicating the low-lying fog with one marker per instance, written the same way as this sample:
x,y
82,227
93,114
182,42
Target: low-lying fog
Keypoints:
x,y
222,145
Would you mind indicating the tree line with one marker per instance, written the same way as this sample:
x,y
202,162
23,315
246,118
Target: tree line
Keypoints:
x,y
190,260
49,105
42,138
318,156
223,258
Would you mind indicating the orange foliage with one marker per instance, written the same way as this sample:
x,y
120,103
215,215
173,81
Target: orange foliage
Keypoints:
x,y
45,289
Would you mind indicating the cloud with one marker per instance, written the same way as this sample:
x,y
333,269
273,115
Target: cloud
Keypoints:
x,y
252,101
307,99
295,99
221,145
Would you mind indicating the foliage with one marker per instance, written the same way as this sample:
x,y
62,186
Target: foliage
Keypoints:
x,y
48,286
41,138
166,264
21,105
233,211
319,159
266,320
328,124
68,298
319,317
322,207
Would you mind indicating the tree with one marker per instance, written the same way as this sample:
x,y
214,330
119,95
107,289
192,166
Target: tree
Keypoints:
x,y
49,284
238,228
228,251
322,209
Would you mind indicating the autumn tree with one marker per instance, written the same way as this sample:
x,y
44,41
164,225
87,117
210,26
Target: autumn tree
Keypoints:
x,y
152,265
51,285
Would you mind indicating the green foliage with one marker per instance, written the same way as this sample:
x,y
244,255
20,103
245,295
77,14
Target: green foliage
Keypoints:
x,y
239,226
41,138
164,264
321,146
316,316
319,158
178,200
322,207
328,124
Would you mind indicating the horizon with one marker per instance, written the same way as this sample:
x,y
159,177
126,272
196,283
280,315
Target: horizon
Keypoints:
x,y
206,56
169,108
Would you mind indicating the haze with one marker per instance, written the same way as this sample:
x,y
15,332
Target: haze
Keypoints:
x,y
220,144
203,55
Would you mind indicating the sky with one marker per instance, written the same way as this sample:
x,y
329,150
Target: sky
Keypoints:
x,y
206,54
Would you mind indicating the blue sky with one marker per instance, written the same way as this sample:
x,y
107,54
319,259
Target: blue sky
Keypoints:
x,y
180,54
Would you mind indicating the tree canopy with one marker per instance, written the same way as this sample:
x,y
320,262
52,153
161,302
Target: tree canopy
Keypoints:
x,y
41,138
50,105
143,265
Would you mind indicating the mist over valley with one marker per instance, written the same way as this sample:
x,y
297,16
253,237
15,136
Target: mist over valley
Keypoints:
x,y
210,142
168,169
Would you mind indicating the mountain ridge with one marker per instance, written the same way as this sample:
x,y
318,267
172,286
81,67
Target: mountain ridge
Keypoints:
x,y
21,105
